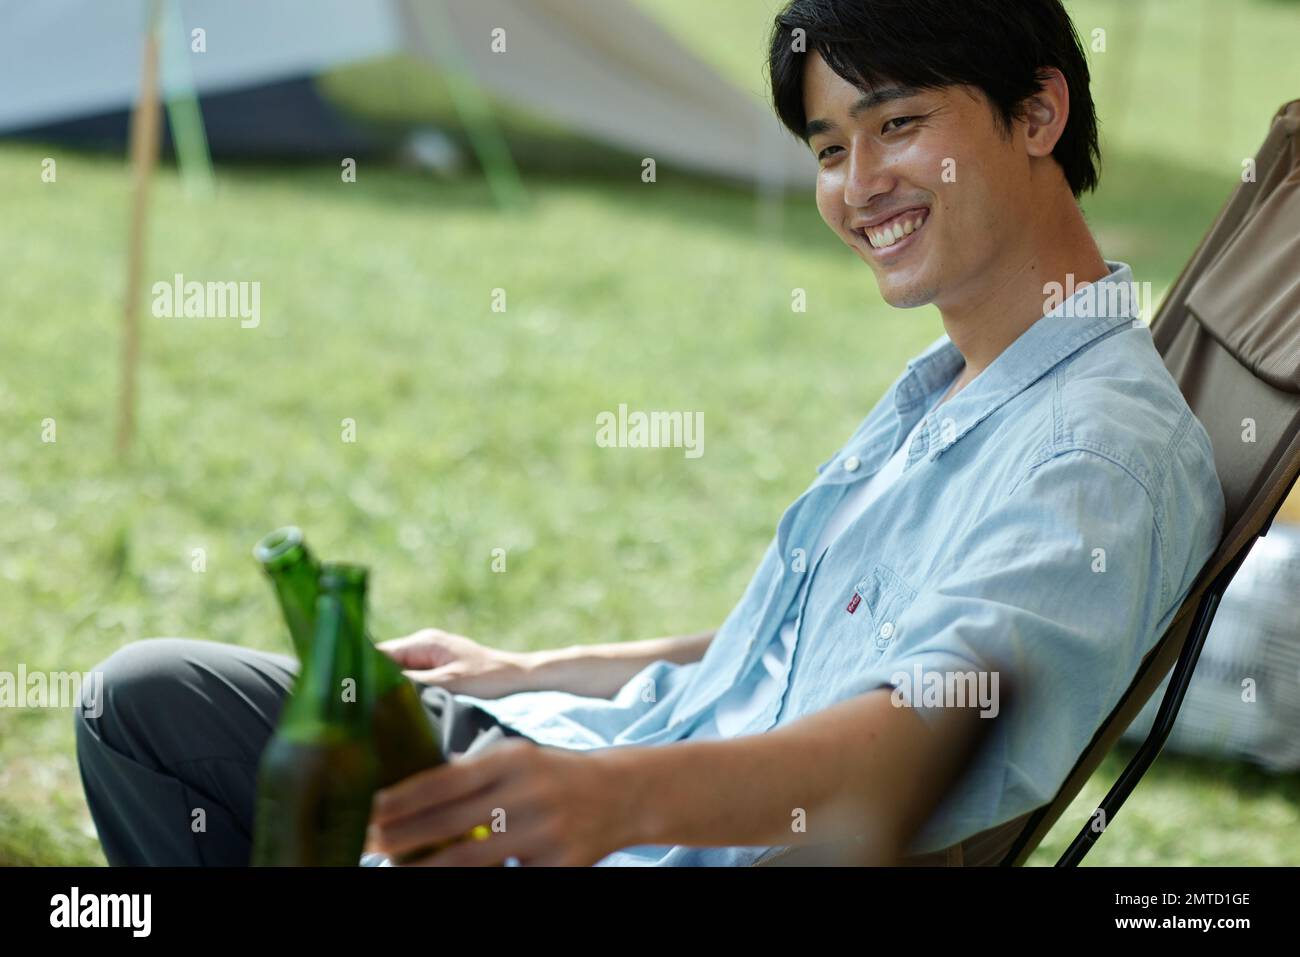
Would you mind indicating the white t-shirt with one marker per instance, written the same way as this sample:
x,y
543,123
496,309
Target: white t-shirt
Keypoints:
x,y
737,707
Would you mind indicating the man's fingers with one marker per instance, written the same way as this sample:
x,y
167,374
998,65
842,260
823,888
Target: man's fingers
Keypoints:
x,y
399,837
420,650
403,651
448,782
426,790
486,853
441,676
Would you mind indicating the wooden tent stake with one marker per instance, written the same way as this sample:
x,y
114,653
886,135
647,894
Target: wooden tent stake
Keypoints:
x,y
144,144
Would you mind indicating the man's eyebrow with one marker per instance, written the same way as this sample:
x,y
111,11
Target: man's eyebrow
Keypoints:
x,y
868,101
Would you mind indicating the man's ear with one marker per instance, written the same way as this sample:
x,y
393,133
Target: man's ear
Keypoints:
x,y
1046,112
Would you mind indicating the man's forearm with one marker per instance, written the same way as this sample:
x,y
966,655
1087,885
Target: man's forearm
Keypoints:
x,y
600,670
862,769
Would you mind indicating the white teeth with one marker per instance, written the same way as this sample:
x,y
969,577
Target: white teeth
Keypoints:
x,y
884,238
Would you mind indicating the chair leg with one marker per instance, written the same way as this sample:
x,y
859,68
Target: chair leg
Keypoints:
x,y
1179,680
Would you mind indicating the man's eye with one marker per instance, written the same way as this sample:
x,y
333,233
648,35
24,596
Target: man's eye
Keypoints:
x,y
822,155
900,120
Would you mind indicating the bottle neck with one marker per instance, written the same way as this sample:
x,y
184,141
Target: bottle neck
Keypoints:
x,y
296,588
334,695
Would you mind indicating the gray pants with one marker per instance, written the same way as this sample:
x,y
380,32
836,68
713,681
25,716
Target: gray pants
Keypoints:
x,y
169,765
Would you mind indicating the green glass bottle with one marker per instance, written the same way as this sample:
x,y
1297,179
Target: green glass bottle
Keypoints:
x,y
405,737
317,774
293,573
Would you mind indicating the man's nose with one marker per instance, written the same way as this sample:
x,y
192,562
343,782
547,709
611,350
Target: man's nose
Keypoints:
x,y
867,178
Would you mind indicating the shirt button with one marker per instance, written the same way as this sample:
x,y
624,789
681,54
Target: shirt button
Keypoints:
x,y
851,463
887,630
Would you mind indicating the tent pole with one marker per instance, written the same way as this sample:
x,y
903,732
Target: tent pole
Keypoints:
x,y
493,152
145,129
189,138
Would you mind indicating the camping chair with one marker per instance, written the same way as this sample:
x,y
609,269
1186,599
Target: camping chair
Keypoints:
x,y
1229,333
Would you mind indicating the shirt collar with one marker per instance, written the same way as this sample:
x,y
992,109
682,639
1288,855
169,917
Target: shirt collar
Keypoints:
x,y
1086,315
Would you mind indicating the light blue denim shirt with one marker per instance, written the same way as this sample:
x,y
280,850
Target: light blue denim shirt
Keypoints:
x,y
1049,520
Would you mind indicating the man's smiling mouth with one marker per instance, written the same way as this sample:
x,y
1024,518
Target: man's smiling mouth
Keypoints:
x,y
885,234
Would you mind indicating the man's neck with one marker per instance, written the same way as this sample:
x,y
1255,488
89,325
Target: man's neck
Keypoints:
x,y
1010,296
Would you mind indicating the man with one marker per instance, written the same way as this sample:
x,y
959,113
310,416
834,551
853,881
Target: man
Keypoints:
x,y
1027,505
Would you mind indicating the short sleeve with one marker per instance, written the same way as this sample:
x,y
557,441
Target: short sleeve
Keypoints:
x,y
1052,599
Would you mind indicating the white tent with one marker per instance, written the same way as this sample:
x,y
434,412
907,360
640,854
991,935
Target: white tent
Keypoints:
x,y
601,67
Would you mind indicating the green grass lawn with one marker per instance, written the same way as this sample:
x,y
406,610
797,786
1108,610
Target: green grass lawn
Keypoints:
x,y
475,429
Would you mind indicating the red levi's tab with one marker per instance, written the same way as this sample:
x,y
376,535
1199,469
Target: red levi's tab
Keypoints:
x,y
853,603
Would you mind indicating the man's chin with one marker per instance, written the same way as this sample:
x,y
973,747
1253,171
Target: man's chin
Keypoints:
x,y
907,296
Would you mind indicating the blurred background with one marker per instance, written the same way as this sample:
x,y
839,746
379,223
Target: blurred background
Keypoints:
x,y
520,170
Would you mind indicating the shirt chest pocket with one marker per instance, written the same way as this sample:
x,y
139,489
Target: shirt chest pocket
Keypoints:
x,y
878,601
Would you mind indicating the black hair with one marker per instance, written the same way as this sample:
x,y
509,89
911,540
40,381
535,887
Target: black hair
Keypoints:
x,y
1000,47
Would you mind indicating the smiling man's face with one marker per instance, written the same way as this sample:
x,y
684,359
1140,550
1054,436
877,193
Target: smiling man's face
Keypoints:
x,y
921,184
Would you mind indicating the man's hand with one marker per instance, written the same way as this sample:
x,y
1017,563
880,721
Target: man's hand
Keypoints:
x,y
459,664
463,666
544,806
